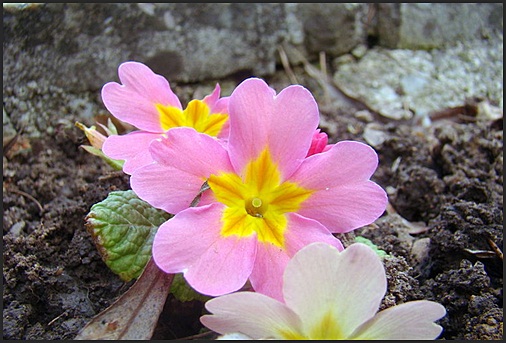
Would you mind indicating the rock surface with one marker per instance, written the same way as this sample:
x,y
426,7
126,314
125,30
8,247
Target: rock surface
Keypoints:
x,y
432,25
400,83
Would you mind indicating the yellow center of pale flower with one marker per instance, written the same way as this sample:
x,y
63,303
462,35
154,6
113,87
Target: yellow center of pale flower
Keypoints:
x,y
324,328
258,201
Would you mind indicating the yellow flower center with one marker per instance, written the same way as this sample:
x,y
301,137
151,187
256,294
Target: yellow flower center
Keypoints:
x,y
258,201
324,328
197,115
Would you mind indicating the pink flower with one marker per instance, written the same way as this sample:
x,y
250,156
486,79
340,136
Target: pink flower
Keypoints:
x,y
145,100
327,295
319,143
266,200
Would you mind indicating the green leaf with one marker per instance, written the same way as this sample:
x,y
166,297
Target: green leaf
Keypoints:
x,y
123,227
184,292
379,252
116,164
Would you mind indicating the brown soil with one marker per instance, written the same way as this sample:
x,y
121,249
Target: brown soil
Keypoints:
x,y
445,184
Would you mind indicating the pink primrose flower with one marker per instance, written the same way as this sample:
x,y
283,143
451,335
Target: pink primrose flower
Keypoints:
x,y
266,201
319,143
328,295
146,101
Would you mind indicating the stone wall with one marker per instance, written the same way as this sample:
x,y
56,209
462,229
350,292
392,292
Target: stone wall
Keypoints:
x,y
395,58
433,25
81,45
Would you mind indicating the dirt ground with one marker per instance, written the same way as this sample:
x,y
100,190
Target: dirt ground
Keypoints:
x,y
443,231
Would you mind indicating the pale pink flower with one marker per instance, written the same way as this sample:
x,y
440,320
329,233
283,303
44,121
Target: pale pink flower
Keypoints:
x,y
327,295
146,101
266,199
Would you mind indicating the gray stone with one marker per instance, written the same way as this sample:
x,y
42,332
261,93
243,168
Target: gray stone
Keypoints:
x,y
57,56
432,25
8,129
399,83
374,135
79,46
335,28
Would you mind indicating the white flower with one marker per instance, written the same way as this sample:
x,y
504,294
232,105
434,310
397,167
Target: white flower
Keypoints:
x,y
328,295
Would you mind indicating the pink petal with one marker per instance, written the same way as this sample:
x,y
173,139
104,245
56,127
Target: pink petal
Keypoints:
x,y
304,231
134,100
318,143
259,119
345,162
191,243
184,161
252,314
166,188
249,107
224,267
413,320
175,247
212,98
218,105
267,275
297,116
132,147
221,106
345,208
320,280
344,197
191,151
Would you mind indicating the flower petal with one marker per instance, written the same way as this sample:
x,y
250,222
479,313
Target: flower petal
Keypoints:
x,y
344,162
218,105
191,243
318,143
175,247
249,107
183,162
224,267
234,336
344,198
252,314
166,188
132,147
284,123
221,106
212,98
411,320
304,231
342,209
134,100
267,275
192,152
319,280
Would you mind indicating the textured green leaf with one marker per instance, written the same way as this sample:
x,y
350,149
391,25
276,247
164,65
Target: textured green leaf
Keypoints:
x,y
123,227
184,292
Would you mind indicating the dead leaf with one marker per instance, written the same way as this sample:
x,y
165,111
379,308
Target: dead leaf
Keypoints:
x,y
135,314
